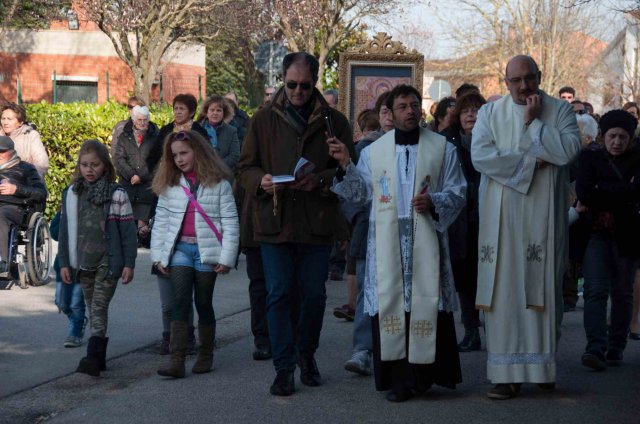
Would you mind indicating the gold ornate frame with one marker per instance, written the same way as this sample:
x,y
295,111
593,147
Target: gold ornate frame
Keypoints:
x,y
377,55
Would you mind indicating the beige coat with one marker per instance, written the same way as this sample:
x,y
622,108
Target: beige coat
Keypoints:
x,y
30,148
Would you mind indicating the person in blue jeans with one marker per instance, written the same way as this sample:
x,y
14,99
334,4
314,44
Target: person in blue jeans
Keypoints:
x,y
295,225
69,298
608,189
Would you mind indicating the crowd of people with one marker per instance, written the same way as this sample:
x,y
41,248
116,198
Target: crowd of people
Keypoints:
x,y
498,206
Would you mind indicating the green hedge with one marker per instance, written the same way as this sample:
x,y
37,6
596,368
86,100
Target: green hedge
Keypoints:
x,y
64,127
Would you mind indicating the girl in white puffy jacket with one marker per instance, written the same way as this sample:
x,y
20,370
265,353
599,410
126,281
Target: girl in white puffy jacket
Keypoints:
x,y
195,237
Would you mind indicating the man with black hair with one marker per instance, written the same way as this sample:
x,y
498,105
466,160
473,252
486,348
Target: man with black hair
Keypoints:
x,y
567,93
413,181
295,224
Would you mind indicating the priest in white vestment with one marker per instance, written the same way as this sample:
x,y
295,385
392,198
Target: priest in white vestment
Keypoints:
x,y
413,180
521,145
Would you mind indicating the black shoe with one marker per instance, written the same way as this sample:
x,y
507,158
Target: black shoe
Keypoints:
x,y
92,364
399,396
261,354
283,385
614,356
471,341
309,374
547,387
593,361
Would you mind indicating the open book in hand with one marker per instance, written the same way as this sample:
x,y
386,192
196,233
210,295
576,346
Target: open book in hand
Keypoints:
x,y
303,168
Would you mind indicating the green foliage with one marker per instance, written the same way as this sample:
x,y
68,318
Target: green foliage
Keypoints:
x,y
64,127
31,14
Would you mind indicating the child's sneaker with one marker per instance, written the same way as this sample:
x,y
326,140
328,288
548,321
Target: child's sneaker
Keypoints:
x,y
72,341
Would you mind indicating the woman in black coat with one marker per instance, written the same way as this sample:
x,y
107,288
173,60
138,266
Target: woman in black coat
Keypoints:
x,y
463,233
608,190
223,137
135,160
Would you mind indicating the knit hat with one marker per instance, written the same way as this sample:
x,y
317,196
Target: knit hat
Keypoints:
x,y
618,118
6,143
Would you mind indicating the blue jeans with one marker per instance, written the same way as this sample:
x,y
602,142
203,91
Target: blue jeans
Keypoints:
x,y
187,254
70,301
362,321
283,265
606,274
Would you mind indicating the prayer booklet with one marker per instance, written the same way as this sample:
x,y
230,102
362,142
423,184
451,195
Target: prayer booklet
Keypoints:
x,y
303,168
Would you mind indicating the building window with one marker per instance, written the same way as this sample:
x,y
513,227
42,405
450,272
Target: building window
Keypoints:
x,y
71,89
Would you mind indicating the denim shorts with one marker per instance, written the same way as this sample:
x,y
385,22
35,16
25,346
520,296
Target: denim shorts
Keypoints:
x,y
187,254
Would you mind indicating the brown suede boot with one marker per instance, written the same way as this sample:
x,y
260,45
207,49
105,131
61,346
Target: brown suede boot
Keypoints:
x,y
203,364
178,345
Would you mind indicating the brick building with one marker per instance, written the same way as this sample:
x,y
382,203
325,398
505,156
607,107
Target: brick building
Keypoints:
x,y
83,65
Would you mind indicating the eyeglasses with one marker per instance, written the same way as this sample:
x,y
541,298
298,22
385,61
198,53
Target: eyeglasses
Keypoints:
x,y
292,85
180,136
526,78
131,106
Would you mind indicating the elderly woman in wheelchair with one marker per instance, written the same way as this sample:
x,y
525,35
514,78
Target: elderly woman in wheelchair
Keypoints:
x,y
21,190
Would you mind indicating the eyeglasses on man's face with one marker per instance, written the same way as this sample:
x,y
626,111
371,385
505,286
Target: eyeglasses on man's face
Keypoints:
x,y
292,85
527,78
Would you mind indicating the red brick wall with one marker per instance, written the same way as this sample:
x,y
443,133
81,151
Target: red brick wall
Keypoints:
x,y
35,72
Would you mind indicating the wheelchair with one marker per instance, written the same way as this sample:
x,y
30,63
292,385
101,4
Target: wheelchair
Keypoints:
x,y
30,248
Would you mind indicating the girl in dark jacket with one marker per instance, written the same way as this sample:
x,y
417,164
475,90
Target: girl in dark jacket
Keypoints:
x,y
608,189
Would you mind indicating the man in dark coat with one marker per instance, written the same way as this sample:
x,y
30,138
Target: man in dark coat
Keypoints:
x,y
19,184
295,224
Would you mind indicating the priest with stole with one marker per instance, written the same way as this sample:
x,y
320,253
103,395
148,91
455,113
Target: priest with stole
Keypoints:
x,y
522,145
414,182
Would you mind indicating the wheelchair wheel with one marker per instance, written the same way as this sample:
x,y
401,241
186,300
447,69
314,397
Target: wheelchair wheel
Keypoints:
x,y
38,250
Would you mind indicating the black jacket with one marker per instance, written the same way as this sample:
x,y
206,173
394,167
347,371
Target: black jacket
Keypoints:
x,y
131,160
30,188
604,186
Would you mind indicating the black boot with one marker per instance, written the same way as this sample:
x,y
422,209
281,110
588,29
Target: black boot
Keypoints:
x,y
472,338
101,352
309,374
90,364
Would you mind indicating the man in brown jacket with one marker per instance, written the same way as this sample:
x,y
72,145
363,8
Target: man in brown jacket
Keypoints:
x,y
295,224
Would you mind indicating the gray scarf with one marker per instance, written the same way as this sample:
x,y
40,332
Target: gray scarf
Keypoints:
x,y
98,193
11,162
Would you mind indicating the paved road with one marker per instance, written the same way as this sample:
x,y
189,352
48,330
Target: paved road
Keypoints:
x,y
37,382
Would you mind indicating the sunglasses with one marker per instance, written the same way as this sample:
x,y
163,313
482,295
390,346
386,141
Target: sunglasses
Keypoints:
x,y
292,85
180,136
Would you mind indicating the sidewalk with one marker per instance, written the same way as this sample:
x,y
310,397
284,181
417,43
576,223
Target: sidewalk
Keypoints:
x,y
237,391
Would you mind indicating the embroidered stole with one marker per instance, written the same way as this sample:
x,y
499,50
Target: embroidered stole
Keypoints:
x,y
529,244
425,291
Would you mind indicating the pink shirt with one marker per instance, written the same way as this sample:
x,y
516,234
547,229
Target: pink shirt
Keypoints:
x,y
189,222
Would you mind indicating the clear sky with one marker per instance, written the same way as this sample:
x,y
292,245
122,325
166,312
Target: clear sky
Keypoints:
x,y
435,17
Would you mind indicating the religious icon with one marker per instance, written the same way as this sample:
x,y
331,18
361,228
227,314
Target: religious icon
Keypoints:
x,y
384,181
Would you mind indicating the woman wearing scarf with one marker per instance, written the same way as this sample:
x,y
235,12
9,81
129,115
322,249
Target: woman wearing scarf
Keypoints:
x,y
27,140
138,140
223,137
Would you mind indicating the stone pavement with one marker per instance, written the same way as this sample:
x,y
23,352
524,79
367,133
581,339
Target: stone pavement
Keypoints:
x,y
37,382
